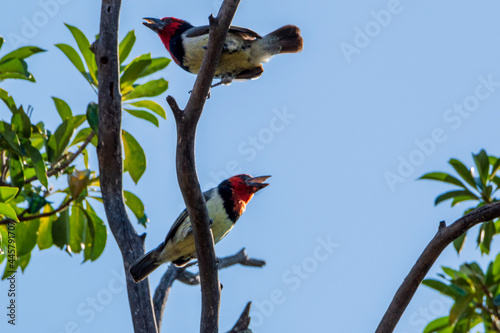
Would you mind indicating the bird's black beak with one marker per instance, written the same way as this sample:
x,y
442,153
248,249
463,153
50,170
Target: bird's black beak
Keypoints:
x,y
154,24
258,182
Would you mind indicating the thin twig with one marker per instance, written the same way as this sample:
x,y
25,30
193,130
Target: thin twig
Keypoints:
x,y
61,208
60,167
241,258
21,218
444,237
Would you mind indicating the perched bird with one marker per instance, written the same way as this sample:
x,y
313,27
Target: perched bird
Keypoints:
x,y
225,204
243,53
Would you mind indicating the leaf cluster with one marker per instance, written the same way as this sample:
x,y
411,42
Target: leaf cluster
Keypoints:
x,y
479,184
34,159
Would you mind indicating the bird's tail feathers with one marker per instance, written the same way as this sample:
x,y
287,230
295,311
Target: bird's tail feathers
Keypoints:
x,y
288,38
143,266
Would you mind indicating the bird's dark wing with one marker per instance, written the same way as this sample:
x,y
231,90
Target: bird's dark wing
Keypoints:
x,y
244,33
182,217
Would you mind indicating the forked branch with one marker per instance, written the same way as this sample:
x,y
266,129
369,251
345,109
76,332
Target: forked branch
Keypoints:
x,y
444,237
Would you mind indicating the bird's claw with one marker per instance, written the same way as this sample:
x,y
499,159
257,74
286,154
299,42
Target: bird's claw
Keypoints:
x,y
208,94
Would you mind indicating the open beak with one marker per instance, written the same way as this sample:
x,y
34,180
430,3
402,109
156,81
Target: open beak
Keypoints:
x,y
154,24
258,182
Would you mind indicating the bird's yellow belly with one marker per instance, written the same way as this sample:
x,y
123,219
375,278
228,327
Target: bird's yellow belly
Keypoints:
x,y
230,62
183,245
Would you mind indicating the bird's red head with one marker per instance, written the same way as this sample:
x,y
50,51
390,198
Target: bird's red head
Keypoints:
x,y
245,186
166,28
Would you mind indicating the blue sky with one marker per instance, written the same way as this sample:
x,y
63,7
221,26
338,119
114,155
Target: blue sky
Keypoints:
x,y
375,95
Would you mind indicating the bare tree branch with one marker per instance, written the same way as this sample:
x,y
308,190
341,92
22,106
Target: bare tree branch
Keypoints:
x,y
444,237
163,290
187,121
109,151
243,322
181,274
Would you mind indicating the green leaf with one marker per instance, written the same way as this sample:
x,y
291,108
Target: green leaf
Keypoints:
x,y
77,222
150,105
84,47
61,229
453,194
462,170
99,233
26,235
15,69
60,140
10,269
496,180
135,159
146,115
443,177
82,135
78,120
156,65
148,89
11,138
1,41
486,233
63,108
136,206
8,211
16,171
460,306
458,243
126,45
441,287
7,193
45,240
460,199
483,166
134,69
21,123
75,59
38,164
22,53
24,261
93,116
437,325
450,272
36,202
496,167
496,265
8,100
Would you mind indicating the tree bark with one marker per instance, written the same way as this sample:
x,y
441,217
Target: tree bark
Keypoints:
x,y
109,151
187,121
444,237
